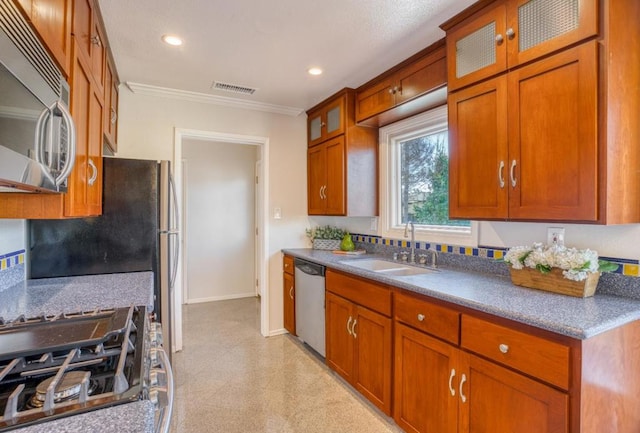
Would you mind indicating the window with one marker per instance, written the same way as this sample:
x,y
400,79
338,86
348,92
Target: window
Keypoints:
x,y
414,180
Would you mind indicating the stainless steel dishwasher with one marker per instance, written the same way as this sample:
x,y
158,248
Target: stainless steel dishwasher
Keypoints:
x,y
310,304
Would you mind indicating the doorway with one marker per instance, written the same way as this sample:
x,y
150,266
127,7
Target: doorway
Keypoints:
x,y
259,147
219,196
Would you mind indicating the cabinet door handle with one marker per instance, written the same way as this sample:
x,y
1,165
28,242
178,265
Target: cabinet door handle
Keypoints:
x,y
499,39
349,325
291,292
451,376
500,176
114,116
353,328
462,381
94,175
324,192
510,33
504,348
512,173
320,192
421,317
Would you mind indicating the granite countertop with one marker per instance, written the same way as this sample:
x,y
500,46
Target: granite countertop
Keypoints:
x,y
53,296
579,318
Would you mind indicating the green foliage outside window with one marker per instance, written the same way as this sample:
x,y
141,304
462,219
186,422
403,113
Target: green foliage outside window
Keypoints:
x,y
424,171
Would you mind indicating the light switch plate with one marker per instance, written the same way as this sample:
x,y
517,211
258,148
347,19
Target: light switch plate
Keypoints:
x,y
277,213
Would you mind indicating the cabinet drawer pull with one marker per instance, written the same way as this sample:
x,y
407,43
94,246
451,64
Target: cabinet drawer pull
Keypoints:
x,y
451,388
512,173
462,381
353,328
500,176
420,317
349,325
510,33
291,292
504,348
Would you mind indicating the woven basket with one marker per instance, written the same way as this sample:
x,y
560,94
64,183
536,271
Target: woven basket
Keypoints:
x,y
555,282
326,244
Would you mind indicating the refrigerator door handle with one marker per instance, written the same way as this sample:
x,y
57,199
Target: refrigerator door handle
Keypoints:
x,y
174,231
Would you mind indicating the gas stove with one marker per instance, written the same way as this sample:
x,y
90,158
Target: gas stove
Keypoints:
x,y
56,366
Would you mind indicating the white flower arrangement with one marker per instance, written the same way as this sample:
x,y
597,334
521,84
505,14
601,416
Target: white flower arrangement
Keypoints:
x,y
576,264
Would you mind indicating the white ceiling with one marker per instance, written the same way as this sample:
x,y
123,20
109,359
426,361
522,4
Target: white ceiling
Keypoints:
x,y
269,44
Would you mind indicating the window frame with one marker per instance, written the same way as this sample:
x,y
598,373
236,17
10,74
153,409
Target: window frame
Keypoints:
x,y
432,121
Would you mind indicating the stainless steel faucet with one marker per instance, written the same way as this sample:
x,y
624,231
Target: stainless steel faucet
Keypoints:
x,y
434,257
412,259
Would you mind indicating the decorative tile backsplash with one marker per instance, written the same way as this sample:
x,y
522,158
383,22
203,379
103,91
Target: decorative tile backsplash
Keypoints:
x,y
630,268
12,269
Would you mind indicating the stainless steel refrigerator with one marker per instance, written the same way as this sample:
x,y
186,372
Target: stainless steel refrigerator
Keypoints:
x,y
138,231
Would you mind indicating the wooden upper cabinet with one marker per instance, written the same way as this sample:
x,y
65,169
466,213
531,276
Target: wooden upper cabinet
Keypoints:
x,y
478,151
327,121
52,21
553,168
417,76
327,178
512,155
111,106
90,39
84,197
513,32
342,160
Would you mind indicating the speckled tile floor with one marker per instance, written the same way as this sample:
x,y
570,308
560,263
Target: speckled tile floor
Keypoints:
x,y
231,379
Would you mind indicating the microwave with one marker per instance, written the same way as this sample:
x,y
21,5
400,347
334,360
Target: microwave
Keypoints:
x,y
37,134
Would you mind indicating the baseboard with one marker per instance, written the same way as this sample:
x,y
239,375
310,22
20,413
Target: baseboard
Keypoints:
x,y
280,331
221,298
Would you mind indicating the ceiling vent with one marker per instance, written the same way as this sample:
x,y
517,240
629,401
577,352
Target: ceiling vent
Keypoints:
x,y
234,88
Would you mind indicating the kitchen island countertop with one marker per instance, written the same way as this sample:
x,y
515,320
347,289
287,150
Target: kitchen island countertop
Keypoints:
x,y
52,296
579,318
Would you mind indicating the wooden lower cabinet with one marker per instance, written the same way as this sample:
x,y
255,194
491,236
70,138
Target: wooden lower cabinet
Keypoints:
x,y
495,399
440,388
423,379
289,294
359,348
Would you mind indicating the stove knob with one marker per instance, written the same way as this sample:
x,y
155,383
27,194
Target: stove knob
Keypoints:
x,y
153,356
156,335
157,377
159,397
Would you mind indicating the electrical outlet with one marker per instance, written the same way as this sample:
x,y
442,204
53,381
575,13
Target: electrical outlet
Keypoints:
x,y
373,224
555,235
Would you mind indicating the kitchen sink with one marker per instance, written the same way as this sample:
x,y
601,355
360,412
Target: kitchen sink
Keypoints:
x,y
384,267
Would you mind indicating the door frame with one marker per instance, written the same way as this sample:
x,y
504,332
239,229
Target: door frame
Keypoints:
x,y
262,189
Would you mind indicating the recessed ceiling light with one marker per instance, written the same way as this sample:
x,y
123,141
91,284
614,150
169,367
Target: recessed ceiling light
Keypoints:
x,y
315,71
172,40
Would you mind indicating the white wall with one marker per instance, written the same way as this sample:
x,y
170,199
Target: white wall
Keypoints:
x,y
146,130
12,236
219,196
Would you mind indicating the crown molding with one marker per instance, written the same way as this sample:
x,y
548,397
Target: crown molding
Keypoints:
x,y
185,95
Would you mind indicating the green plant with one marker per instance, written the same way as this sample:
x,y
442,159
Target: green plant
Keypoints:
x,y
325,232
